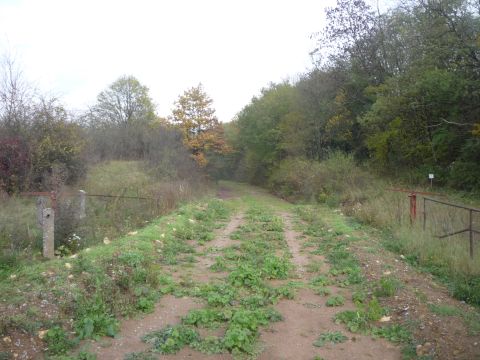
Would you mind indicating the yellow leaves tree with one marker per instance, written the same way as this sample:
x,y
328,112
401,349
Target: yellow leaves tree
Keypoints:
x,y
202,132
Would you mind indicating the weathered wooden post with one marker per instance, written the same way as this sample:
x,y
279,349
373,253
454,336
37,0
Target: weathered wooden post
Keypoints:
x,y
82,205
48,224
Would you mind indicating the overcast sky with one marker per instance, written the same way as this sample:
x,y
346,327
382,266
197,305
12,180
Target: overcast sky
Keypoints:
x,y
75,49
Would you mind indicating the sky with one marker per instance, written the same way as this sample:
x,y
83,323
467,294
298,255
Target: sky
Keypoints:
x,y
75,49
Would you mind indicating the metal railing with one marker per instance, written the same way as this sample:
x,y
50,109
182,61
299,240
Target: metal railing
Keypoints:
x,y
470,228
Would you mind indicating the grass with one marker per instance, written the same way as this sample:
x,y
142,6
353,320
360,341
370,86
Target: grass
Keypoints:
x,y
387,286
335,337
102,284
340,183
336,300
21,236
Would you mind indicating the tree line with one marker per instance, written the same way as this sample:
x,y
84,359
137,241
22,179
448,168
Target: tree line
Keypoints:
x,y
399,90
43,146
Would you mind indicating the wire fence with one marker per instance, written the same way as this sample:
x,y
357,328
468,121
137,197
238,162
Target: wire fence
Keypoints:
x,y
81,220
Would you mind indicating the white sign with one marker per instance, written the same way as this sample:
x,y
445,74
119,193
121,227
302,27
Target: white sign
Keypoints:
x,y
430,176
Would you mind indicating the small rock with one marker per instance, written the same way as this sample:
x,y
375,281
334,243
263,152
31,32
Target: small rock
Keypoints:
x,y
385,319
7,339
13,277
419,350
42,333
162,235
133,233
68,265
402,257
74,256
87,249
191,221
70,276
387,272
106,240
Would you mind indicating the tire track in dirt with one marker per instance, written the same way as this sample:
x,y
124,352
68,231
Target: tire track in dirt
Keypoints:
x,y
169,310
307,316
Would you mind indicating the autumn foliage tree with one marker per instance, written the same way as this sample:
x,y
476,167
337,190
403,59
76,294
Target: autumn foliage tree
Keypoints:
x,y
202,132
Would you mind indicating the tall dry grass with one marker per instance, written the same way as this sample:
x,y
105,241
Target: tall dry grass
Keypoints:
x,y
339,182
106,217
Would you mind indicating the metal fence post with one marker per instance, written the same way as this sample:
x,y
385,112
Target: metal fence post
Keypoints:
x,y
471,233
48,225
413,207
425,213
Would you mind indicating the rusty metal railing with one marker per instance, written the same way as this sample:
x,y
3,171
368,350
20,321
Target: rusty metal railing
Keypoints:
x,y
470,229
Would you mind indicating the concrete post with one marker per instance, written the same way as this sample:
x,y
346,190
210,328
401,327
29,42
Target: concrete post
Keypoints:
x,y
41,204
82,206
48,233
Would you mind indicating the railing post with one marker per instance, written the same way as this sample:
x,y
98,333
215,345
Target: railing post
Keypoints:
x,y
48,225
470,227
424,213
413,207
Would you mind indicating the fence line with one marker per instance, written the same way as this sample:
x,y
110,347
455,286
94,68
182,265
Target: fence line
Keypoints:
x,y
46,215
469,229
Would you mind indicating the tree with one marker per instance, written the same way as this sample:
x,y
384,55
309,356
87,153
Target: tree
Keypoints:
x,y
120,119
202,133
15,97
125,102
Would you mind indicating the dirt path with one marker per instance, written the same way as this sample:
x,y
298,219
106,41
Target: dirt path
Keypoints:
x,y
307,316
170,309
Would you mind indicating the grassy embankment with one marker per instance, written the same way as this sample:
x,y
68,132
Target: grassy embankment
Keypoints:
x,y
339,183
21,237
60,302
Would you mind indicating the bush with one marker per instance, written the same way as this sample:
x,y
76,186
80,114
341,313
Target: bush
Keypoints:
x,y
337,179
14,164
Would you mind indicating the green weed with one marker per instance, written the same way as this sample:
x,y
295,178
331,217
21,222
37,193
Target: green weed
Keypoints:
x,y
387,286
275,267
395,333
171,339
444,310
335,337
337,300
57,341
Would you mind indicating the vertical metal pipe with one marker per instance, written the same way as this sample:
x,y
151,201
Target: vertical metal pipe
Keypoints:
x,y
424,213
471,233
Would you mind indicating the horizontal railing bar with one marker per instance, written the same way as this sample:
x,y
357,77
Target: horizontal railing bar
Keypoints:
x,y
453,233
453,205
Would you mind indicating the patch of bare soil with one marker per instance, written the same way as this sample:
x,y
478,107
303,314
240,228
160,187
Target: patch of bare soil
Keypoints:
x,y
306,317
300,258
225,193
222,240
442,337
168,311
